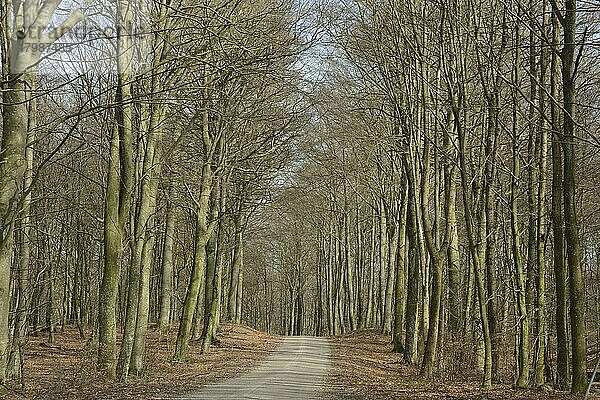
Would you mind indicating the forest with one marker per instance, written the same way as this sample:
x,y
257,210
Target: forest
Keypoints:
x,y
425,168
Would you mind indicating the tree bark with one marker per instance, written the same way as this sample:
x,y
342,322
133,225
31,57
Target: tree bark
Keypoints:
x,y
166,287
12,172
212,296
414,280
143,310
558,252
576,289
383,264
476,240
202,235
118,194
371,279
236,268
540,358
399,287
15,369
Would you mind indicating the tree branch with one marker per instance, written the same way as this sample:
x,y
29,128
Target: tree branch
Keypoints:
x,y
556,11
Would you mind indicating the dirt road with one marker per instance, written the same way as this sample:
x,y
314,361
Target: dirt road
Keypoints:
x,y
296,370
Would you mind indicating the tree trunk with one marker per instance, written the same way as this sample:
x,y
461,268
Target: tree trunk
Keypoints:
x,y
16,369
371,282
349,278
13,165
118,194
414,280
360,271
235,269
540,358
212,294
391,277
436,257
558,254
383,264
476,242
166,288
113,250
399,287
147,256
202,235
454,290
240,291
331,313
520,274
577,293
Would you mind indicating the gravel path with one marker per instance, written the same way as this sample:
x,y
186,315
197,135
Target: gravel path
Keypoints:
x,y
296,370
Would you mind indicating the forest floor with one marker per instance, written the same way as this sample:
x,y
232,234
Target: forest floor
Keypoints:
x,y
66,369
366,368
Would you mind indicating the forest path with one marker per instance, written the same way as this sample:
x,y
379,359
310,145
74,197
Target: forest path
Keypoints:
x,y
295,370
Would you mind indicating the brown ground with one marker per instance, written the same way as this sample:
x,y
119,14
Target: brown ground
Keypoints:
x,y
366,368
66,369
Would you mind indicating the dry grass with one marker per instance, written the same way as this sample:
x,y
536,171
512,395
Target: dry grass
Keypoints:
x,y
66,370
366,368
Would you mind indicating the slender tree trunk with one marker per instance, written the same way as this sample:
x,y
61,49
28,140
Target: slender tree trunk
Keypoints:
x,y
360,271
202,235
213,274
166,288
20,332
240,291
320,310
476,247
204,230
213,305
577,293
540,359
13,166
113,250
558,255
330,283
520,274
50,319
371,283
436,256
383,263
391,277
414,280
455,309
491,229
118,194
400,278
236,267
349,268
147,256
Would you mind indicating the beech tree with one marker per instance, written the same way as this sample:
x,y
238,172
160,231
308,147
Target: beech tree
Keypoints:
x,y
465,96
427,170
24,38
